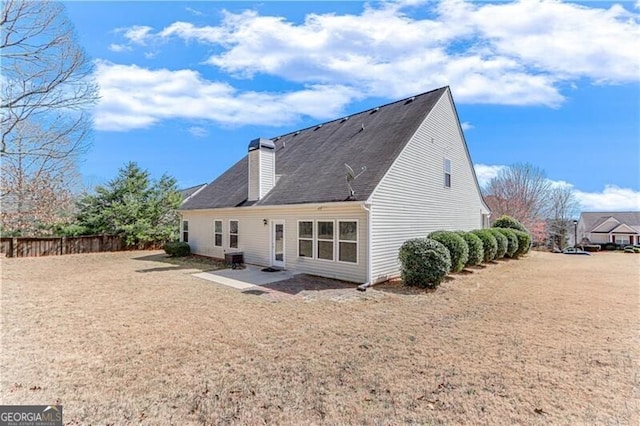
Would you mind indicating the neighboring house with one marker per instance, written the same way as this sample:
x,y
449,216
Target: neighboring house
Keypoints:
x,y
622,228
190,192
289,204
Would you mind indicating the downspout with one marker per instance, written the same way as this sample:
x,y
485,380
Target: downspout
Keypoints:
x,y
363,287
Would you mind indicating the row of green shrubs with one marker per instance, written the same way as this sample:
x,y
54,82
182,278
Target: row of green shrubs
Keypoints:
x,y
426,261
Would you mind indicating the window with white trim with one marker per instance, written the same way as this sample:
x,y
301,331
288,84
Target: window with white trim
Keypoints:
x,y
305,238
324,237
185,231
447,173
622,239
233,234
348,241
217,233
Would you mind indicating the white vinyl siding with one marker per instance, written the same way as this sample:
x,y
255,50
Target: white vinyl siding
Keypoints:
x,y
257,248
411,201
261,172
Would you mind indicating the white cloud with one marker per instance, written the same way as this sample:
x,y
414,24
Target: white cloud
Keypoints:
x,y
515,53
114,47
612,198
138,34
194,11
198,132
486,172
466,125
135,97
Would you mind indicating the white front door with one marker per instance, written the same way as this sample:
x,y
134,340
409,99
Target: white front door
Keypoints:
x,y
277,243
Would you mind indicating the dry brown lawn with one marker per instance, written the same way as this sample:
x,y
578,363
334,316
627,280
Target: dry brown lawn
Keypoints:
x,y
124,338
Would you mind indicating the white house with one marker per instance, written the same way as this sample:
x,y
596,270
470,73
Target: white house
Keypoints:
x,y
290,204
622,228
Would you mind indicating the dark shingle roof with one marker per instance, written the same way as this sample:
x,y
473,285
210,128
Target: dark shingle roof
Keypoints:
x,y
188,192
310,162
594,219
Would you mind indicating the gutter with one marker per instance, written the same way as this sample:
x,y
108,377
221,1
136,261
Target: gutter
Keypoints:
x,y
363,287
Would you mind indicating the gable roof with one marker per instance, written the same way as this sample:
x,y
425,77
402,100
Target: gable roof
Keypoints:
x,y
188,192
593,220
310,162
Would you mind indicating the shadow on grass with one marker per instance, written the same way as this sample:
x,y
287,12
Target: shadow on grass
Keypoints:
x,y
179,263
304,282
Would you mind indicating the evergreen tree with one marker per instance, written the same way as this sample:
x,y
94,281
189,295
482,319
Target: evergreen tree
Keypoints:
x,y
134,206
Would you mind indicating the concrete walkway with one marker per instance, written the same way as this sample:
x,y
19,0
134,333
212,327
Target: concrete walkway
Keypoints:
x,y
243,279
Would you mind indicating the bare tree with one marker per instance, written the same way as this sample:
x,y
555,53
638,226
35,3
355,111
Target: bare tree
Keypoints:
x,y
519,191
562,205
46,85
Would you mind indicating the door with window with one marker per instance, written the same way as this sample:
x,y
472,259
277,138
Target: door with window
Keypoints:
x,y
277,244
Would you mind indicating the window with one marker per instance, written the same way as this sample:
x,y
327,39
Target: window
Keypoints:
x,y
217,233
185,231
447,173
348,241
622,239
305,238
325,240
233,234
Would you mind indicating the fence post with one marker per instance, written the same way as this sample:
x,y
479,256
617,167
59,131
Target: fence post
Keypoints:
x,y
63,245
14,247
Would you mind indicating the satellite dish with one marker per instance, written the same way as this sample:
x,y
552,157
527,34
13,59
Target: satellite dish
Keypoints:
x,y
351,176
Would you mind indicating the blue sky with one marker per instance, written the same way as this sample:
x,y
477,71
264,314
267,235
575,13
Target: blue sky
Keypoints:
x,y
186,85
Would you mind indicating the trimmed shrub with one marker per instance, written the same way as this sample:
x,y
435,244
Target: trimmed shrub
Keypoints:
x,y
506,221
457,246
524,243
512,241
489,243
424,262
629,250
610,246
591,247
177,249
502,241
476,252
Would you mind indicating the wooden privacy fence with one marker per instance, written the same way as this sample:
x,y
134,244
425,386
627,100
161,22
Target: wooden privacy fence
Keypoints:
x,y
48,246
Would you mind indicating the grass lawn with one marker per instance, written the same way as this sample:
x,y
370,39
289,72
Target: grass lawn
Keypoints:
x,y
127,338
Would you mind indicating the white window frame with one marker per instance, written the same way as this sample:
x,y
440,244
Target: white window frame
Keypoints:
x,y
447,172
356,242
317,240
237,234
621,240
221,233
312,239
185,231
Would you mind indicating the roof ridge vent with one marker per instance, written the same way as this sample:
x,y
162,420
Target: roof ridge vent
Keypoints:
x,y
344,119
376,109
317,127
296,133
411,99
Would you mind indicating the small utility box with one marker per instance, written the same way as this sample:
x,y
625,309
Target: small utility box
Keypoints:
x,y
235,260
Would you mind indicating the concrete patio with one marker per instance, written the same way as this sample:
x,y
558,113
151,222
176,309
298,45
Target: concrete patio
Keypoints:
x,y
246,278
